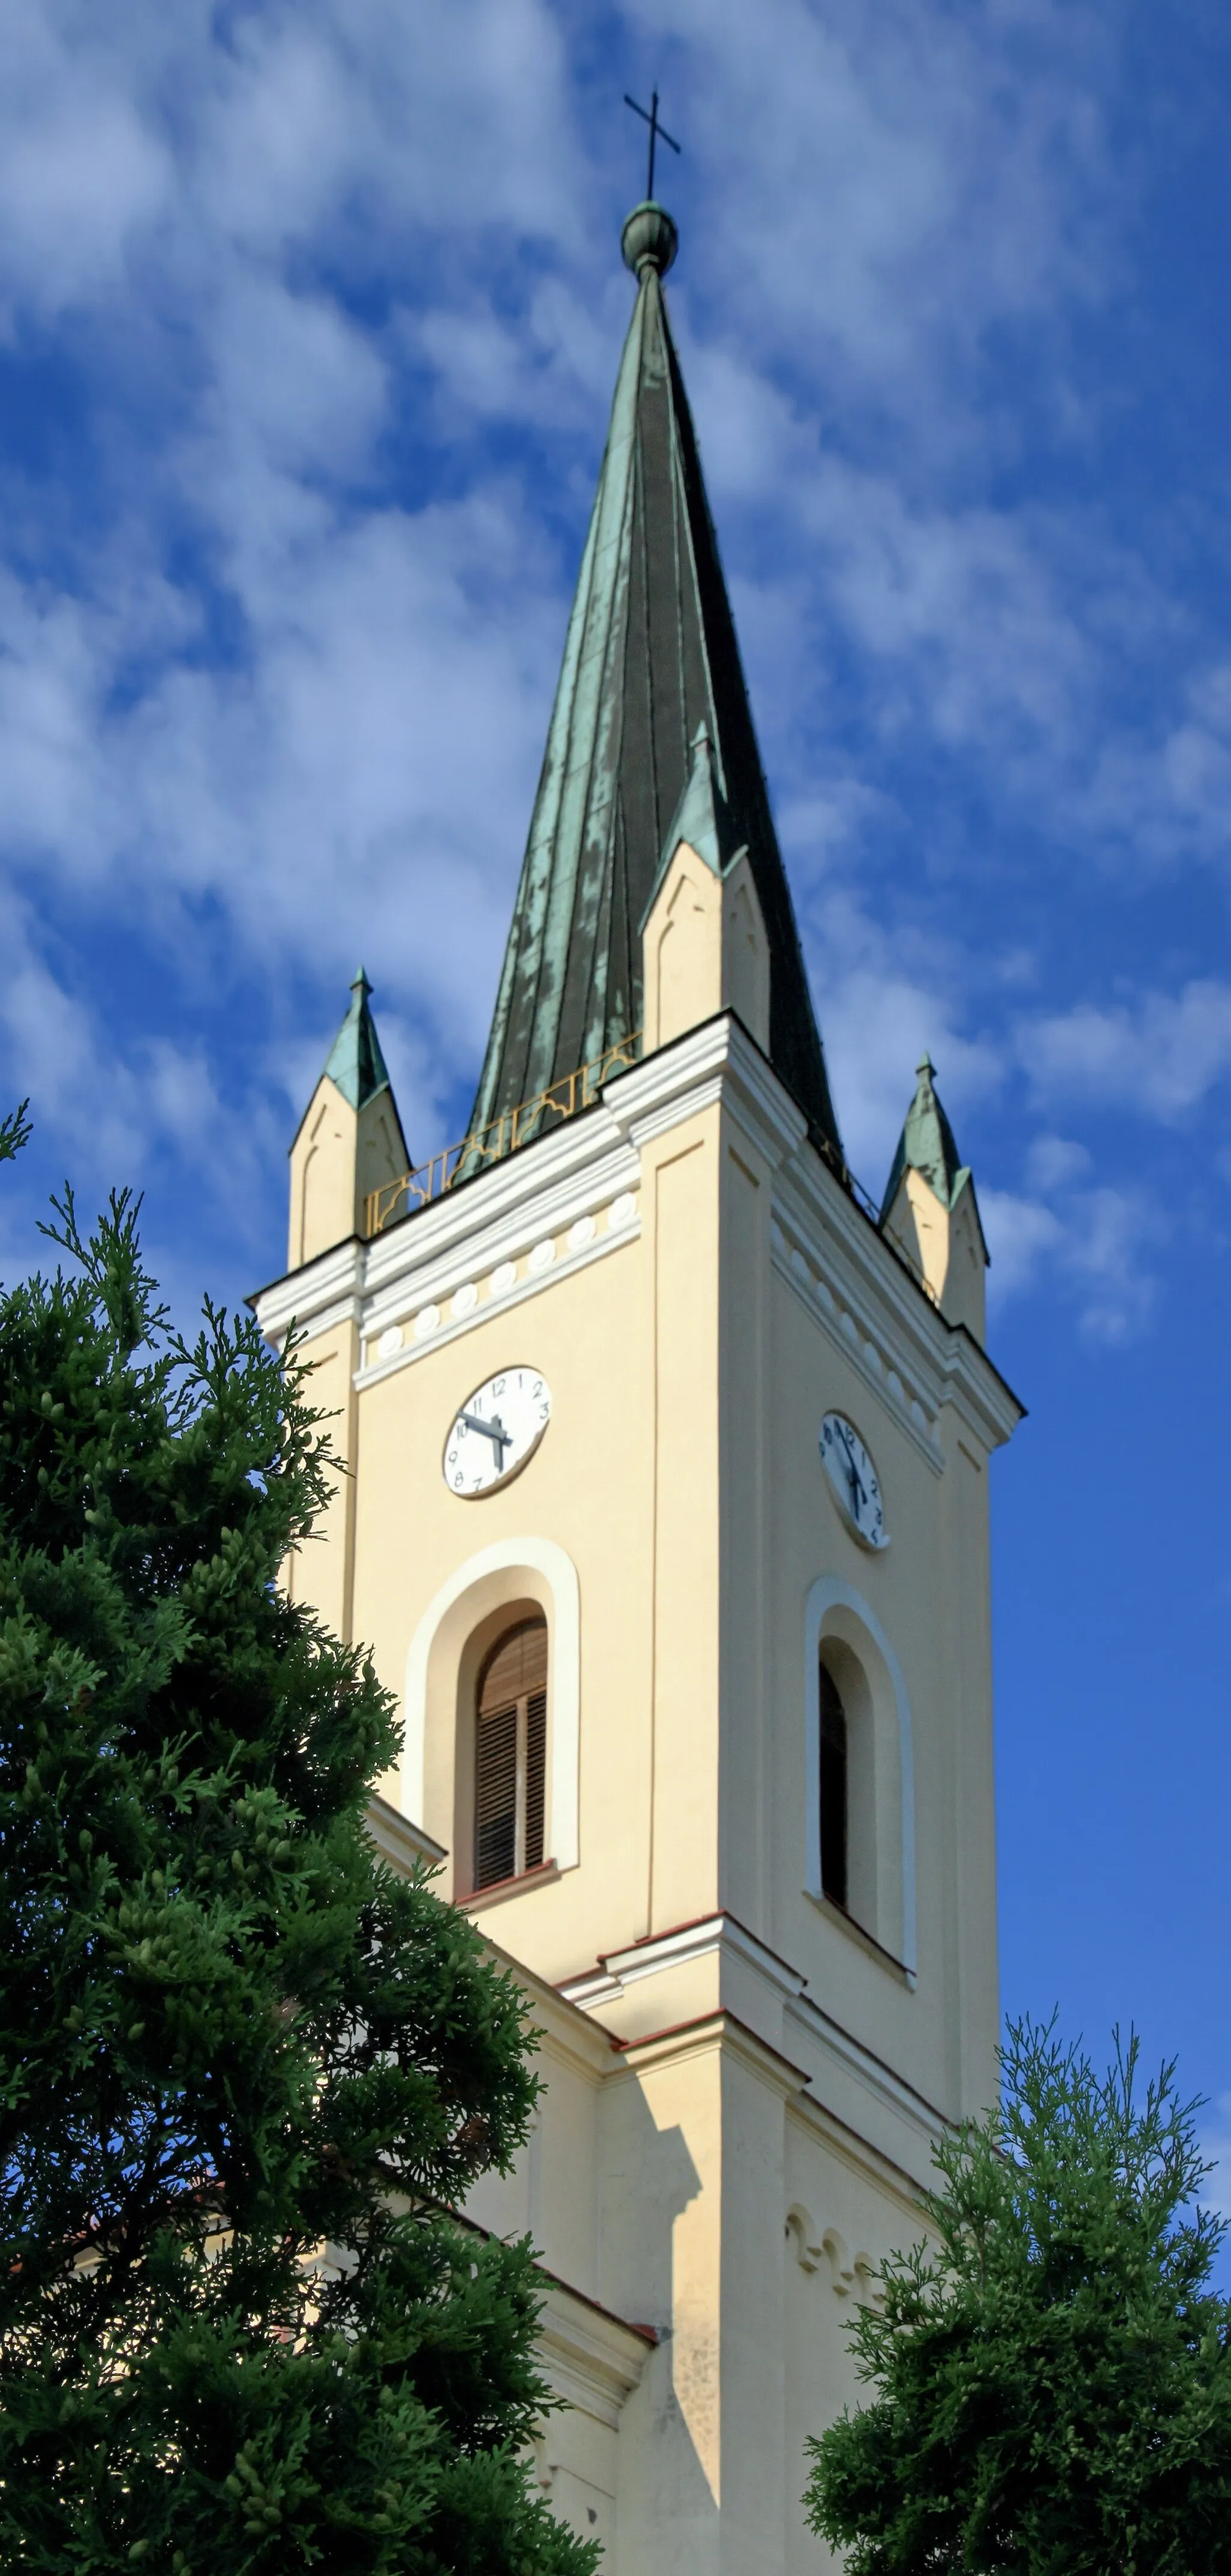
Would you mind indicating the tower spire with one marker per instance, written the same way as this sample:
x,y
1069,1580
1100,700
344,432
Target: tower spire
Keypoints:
x,y
651,655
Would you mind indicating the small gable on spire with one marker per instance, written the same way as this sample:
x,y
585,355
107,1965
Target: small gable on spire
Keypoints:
x,y
702,818
931,1213
705,947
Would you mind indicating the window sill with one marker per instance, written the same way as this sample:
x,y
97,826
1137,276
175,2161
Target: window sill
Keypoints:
x,y
501,1889
866,1941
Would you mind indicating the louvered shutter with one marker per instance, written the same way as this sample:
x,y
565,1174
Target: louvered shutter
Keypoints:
x,y
511,1756
536,1776
495,1824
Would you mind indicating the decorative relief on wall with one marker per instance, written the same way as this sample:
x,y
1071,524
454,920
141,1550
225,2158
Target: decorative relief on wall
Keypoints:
x,y
801,2237
849,2275
794,1263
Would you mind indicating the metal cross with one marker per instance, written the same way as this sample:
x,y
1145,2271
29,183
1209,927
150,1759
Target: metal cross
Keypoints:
x,y
650,115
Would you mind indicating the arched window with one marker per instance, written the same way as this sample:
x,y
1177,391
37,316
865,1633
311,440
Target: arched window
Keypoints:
x,y
510,1767
859,1770
835,1791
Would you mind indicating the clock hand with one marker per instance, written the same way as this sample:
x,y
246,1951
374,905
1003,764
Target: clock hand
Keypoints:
x,y
493,1431
856,1479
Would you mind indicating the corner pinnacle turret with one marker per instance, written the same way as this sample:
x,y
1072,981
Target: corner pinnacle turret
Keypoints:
x,y
651,656
930,1210
349,1142
927,1144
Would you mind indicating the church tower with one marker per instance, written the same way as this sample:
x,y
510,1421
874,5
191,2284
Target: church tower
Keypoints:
x,y
666,1518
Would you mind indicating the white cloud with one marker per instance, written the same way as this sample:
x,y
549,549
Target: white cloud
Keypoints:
x,y
1096,1247
1112,1237
362,782
882,1000
876,1029
1021,1235
81,172
114,1115
909,186
1053,1161
1159,1054
278,256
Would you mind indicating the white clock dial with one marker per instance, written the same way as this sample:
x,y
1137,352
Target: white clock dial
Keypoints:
x,y
853,1478
495,1431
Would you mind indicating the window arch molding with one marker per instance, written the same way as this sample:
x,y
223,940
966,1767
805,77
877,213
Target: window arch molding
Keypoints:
x,y
835,1608
508,1571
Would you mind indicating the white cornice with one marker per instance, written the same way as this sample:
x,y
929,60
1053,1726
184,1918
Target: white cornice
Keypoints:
x,y
970,1378
880,1313
757,1101
531,1193
325,1292
718,1061
852,1330
619,1969
723,1934
593,2358
816,1213
825,1248
563,1268
545,1204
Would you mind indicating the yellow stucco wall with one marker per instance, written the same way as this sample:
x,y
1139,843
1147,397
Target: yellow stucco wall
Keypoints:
x,y
742,2084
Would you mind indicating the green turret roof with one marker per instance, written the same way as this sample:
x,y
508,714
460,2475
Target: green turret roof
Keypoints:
x,y
927,1145
702,818
355,1061
651,656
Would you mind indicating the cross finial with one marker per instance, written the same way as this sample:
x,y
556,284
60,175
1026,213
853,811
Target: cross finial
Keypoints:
x,y
650,116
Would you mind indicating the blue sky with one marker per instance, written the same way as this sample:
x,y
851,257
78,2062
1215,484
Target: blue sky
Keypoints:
x,y
309,320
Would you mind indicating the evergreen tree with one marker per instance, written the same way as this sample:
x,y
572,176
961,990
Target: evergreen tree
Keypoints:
x,y
245,2071
1052,2372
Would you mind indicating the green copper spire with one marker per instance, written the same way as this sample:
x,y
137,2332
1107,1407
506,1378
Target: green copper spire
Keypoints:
x,y
651,656
927,1145
355,1060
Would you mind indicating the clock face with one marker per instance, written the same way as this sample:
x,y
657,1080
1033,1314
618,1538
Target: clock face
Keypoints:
x,y
856,1486
495,1431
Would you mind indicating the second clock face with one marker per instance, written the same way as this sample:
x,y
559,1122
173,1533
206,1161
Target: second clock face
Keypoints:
x,y
854,1481
495,1431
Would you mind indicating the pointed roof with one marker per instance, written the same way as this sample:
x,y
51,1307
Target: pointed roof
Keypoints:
x,y
702,818
651,657
927,1145
355,1062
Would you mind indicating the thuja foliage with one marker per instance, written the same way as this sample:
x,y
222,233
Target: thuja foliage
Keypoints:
x,y
244,2069
1052,2372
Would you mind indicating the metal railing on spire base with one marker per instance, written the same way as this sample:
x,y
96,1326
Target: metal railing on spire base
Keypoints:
x,y
500,1137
